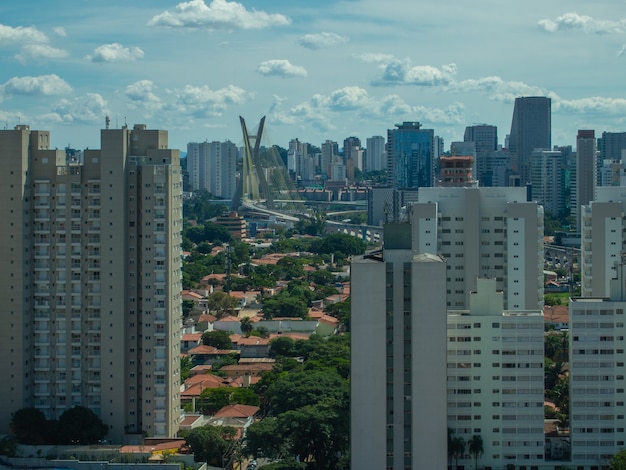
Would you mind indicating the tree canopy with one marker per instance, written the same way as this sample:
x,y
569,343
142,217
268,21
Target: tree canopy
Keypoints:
x,y
218,339
209,443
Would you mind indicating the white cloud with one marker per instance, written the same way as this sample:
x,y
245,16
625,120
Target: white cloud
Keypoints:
x,y
592,105
376,58
321,111
202,101
143,91
497,88
60,31
20,35
403,72
281,68
219,14
115,52
321,40
40,85
574,22
622,50
40,51
90,108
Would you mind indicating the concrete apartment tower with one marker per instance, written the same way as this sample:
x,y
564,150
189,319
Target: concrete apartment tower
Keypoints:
x,y
398,366
495,380
212,166
596,371
531,128
91,279
483,232
485,138
602,240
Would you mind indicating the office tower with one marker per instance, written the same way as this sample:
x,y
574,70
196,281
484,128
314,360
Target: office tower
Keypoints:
x,y
497,169
548,181
483,232
596,373
212,167
530,130
410,162
375,154
602,242
496,380
398,350
330,150
485,138
586,172
91,280
610,147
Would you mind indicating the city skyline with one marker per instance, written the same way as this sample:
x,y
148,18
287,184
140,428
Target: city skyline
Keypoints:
x,y
318,71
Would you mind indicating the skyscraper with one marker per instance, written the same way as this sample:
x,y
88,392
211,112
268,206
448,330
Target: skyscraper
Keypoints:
x,y
91,276
349,143
375,157
398,366
410,162
330,149
586,171
548,179
485,138
530,129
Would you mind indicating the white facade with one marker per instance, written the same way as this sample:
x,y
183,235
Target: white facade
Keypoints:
x,y
483,232
597,383
398,366
547,179
496,379
212,166
602,241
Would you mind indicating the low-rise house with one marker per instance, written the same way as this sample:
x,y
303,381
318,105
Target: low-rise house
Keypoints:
x,y
204,354
251,347
556,316
189,341
237,416
249,368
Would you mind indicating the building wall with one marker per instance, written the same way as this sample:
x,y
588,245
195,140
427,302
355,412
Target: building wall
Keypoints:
x,y
398,416
484,232
495,379
104,322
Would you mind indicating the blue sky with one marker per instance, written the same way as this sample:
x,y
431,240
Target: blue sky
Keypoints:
x,y
318,70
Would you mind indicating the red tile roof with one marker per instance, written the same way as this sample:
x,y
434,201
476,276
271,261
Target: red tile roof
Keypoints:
x,y
237,411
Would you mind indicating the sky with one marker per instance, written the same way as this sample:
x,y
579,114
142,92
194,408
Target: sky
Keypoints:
x,y
317,70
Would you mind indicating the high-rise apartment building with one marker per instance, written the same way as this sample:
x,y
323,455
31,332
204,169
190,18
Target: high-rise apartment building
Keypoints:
x,y
375,154
410,161
602,241
485,138
349,143
596,374
487,233
495,380
212,166
330,150
586,171
91,279
549,183
398,366
531,128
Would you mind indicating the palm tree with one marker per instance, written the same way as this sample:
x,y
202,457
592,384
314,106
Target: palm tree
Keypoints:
x,y
475,448
246,326
458,449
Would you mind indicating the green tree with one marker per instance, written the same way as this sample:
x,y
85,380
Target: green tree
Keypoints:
x,y
246,326
29,426
475,448
81,425
218,339
220,304
618,462
339,243
284,305
185,368
458,449
281,346
321,277
209,443
341,311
